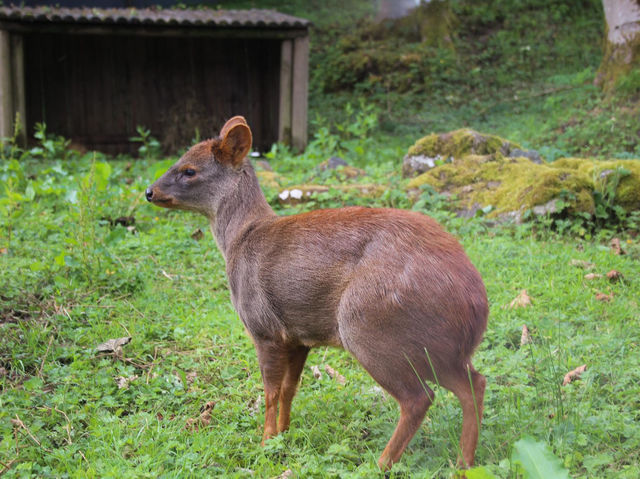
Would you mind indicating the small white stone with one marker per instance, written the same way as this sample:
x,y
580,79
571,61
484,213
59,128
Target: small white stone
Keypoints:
x,y
284,195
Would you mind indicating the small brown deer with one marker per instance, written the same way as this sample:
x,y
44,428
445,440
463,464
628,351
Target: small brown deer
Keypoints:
x,y
389,286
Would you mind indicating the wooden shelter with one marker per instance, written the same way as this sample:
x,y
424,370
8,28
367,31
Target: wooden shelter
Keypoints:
x,y
94,75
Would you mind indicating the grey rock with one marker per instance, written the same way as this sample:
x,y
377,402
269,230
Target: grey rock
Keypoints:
x,y
548,207
335,161
416,165
532,155
469,212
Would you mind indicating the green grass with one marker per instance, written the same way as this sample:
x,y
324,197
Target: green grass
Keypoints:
x,y
71,278
168,292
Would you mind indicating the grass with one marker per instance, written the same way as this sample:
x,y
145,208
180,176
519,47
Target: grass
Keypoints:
x,y
76,271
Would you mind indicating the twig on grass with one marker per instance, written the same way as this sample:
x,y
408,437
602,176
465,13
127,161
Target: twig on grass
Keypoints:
x,y
45,357
155,354
83,456
125,328
134,308
123,359
18,422
67,426
7,466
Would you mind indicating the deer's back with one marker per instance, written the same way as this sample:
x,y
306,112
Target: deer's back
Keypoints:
x,y
292,276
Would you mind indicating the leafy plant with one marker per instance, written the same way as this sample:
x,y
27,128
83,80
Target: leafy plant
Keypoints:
x,y
149,146
607,212
535,460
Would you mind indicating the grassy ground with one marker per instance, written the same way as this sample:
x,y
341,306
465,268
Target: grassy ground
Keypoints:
x,y
71,281
72,277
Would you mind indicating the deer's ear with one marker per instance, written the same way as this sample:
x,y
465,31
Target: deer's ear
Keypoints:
x,y
231,122
235,142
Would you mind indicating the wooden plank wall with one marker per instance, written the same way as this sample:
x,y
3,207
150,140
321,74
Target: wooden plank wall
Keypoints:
x,y
95,89
6,90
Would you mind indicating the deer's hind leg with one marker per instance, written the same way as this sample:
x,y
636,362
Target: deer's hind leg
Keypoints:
x,y
468,385
393,371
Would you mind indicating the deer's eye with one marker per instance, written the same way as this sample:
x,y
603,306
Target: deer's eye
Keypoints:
x,y
189,172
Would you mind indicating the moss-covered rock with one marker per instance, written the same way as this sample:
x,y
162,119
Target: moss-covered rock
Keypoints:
x,y
451,146
508,184
478,170
623,176
461,142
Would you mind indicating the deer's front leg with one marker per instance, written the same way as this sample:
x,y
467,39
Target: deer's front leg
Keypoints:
x,y
296,357
272,357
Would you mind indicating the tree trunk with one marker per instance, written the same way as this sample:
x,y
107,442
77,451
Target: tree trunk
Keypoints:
x,y
622,42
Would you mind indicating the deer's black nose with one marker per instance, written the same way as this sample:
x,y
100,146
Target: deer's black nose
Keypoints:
x,y
149,194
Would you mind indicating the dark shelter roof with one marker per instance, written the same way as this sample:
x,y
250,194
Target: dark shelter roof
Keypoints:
x,y
154,17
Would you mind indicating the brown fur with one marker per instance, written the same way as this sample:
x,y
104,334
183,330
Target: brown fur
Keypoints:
x,y
390,286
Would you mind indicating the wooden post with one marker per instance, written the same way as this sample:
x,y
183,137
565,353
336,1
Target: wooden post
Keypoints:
x,y
284,114
6,94
18,84
300,92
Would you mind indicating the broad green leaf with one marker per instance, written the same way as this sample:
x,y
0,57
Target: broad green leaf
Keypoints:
x,y
478,473
592,462
29,192
102,173
36,266
59,259
537,461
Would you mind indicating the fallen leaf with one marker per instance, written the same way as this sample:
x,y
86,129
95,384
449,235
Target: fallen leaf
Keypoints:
x,y
591,276
316,372
525,338
286,474
580,263
4,250
195,423
333,374
521,301
197,234
615,246
191,377
604,297
113,345
614,275
3,372
123,382
575,374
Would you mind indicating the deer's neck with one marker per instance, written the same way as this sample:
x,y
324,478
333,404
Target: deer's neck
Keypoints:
x,y
240,210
